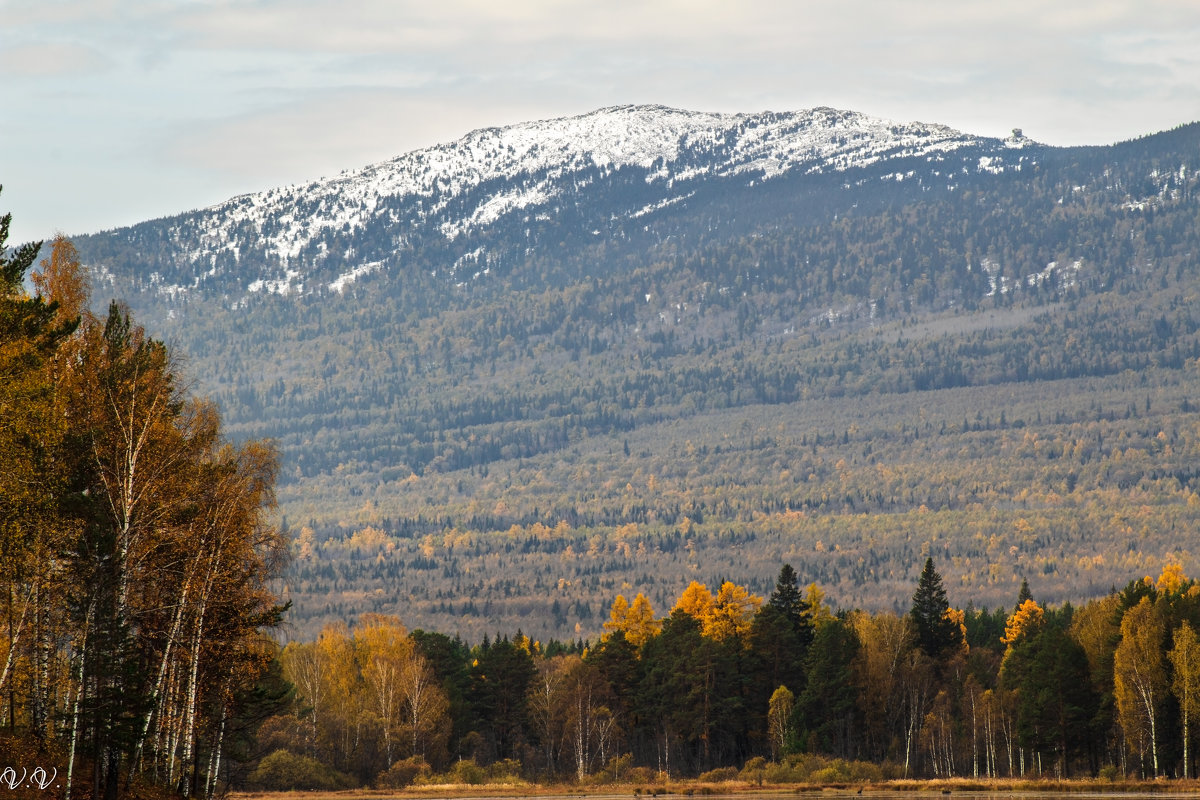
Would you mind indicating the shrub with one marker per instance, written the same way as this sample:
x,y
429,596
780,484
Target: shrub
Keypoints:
x,y
828,774
280,732
754,770
617,769
803,765
840,771
719,775
640,775
284,770
465,770
504,771
810,767
403,773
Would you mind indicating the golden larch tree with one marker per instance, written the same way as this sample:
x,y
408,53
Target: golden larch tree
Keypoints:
x,y
1026,620
732,613
636,620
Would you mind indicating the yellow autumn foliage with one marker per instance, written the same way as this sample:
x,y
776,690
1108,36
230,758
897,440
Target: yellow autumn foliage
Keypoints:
x,y
1172,580
728,614
636,620
1027,618
696,601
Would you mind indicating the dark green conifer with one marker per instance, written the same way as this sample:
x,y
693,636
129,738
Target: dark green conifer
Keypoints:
x,y
1057,707
500,680
1024,594
937,633
788,600
825,709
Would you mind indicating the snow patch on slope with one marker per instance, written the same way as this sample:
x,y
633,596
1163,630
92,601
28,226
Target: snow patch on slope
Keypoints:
x,y
346,278
611,138
464,186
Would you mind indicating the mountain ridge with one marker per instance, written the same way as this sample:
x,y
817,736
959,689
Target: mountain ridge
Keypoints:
x,y
462,187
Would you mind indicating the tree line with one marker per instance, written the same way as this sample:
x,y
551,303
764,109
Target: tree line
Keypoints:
x,y
730,683
136,548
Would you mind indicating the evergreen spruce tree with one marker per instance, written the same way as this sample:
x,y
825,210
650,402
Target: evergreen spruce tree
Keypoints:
x,y
450,660
617,661
780,638
937,633
14,266
825,709
27,324
500,680
1056,703
1024,594
788,600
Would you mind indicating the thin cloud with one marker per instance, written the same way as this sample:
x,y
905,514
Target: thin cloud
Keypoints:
x,y
242,94
321,133
52,60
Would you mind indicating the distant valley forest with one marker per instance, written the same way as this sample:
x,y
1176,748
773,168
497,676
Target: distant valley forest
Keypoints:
x,y
846,372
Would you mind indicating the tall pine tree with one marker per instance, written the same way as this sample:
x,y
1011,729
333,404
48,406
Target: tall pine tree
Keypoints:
x,y
937,633
788,600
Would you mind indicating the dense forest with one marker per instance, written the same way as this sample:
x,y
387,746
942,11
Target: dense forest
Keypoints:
x,y
138,558
732,686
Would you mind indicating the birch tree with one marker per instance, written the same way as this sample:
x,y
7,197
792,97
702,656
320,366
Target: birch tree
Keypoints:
x,y
1140,678
545,700
384,652
587,720
136,548
32,479
879,669
1185,661
779,720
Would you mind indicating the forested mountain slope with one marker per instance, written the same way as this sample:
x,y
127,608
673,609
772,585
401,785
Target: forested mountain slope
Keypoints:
x,y
514,375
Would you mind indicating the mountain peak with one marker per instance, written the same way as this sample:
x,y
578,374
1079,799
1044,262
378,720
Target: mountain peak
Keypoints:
x,y
279,240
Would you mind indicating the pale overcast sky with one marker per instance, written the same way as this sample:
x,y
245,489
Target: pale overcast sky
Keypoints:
x,y
116,111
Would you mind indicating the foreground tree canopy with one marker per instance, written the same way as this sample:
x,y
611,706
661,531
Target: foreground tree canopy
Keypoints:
x,y
135,549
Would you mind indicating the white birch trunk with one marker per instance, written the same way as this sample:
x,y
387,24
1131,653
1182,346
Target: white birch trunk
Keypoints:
x,y
14,637
1185,740
214,762
189,734
155,705
87,623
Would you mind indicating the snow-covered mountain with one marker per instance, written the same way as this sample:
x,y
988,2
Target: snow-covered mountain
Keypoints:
x,y
611,169
648,318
